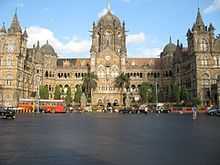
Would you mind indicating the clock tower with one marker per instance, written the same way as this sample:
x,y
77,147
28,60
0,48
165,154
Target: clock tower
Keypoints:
x,y
13,53
108,57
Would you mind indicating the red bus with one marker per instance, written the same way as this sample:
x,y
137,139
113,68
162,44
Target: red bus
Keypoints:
x,y
47,106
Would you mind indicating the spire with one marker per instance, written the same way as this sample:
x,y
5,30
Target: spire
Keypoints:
x,y
25,33
170,40
3,29
15,25
38,44
199,20
109,6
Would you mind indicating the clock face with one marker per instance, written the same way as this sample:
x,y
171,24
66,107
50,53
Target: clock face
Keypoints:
x,y
11,48
107,58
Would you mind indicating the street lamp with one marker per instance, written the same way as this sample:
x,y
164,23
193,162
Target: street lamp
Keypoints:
x,y
156,92
1,91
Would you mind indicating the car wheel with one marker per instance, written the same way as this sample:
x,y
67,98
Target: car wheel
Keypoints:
x,y
212,114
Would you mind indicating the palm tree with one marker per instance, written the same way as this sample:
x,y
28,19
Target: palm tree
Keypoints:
x,y
146,92
89,83
122,81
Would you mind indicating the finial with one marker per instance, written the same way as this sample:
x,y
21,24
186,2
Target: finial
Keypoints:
x,y
38,44
109,7
170,40
47,42
16,10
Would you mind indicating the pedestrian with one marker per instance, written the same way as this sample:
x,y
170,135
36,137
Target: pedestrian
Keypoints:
x,y
194,112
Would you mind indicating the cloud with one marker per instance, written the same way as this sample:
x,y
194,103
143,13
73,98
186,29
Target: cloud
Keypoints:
x,y
71,46
136,38
143,45
214,6
146,52
103,12
139,45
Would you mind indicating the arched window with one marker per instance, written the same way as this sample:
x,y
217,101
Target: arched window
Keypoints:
x,y
46,74
9,61
114,71
205,79
101,71
204,45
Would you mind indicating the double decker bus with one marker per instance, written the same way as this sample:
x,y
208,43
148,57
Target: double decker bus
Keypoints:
x,y
47,106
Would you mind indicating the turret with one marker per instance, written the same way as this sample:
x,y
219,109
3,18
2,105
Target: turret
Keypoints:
x,y
3,29
25,35
199,24
15,25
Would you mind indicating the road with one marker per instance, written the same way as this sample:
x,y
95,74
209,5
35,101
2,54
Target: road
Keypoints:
x,y
109,139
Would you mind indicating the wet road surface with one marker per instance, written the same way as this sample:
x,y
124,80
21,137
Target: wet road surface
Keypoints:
x,y
109,139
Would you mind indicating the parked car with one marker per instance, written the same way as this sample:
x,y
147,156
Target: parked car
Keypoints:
x,y
124,110
214,112
8,113
161,108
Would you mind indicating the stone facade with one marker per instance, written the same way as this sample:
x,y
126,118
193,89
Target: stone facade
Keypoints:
x,y
195,67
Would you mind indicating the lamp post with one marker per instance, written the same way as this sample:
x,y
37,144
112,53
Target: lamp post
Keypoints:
x,y
38,99
156,92
1,91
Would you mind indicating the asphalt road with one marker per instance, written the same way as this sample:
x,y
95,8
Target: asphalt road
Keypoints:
x,y
109,139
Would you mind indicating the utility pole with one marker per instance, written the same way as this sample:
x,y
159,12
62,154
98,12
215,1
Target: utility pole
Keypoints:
x,y
1,92
156,92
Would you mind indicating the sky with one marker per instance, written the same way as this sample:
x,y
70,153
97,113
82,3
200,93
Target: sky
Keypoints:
x,y
67,23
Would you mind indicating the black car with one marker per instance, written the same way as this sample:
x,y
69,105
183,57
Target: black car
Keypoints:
x,y
8,113
125,110
214,112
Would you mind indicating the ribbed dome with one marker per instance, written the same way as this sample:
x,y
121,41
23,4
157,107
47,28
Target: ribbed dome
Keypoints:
x,y
48,49
109,19
217,45
169,48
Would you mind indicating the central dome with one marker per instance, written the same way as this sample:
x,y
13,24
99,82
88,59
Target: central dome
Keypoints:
x,y
109,19
48,49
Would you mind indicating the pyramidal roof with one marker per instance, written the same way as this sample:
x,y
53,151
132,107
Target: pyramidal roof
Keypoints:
x,y
15,25
199,20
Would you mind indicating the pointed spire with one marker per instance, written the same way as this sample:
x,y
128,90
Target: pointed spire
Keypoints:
x,y
25,33
109,6
211,28
170,40
15,25
3,29
199,20
189,33
38,44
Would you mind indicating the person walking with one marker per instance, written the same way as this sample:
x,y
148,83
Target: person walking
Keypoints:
x,y
194,111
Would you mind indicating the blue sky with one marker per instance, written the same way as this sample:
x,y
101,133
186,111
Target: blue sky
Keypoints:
x,y
66,23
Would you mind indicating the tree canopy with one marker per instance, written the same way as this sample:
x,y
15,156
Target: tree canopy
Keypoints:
x,y
68,98
44,92
122,81
57,93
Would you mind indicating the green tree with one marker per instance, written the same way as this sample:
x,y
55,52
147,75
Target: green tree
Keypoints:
x,y
176,92
196,101
78,94
122,81
146,92
184,94
44,92
68,98
57,93
89,84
